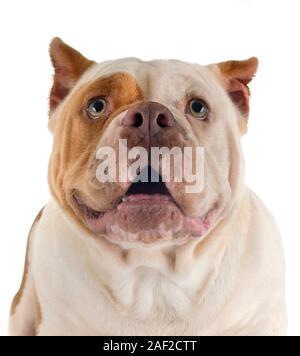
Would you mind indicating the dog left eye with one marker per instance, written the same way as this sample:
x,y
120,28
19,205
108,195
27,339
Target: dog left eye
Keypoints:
x,y
96,108
199,109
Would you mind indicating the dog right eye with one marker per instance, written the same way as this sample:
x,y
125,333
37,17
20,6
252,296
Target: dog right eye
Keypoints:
x,y
199,109
96,108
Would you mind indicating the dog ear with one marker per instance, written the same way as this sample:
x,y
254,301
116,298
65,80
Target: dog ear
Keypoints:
x,y
236,76
68,65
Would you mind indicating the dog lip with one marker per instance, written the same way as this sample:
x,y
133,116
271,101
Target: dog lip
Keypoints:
x,y
129,198
101,221
146,198
132,199
86,210
153,193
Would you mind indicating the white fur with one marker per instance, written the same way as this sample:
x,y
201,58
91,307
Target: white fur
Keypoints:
x,y
230,282
94,288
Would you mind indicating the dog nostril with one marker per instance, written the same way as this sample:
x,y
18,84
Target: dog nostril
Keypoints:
x,y
162,120
138,120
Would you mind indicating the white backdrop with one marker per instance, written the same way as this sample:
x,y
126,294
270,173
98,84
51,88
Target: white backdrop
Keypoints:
x,y
192,30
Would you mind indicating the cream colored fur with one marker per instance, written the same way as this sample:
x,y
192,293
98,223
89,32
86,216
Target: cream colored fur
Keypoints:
x,y
229,282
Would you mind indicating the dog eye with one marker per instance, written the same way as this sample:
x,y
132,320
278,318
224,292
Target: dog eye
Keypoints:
x,y
199,109
96,108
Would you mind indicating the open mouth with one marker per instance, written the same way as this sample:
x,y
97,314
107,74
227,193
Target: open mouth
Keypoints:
x,y
147,191
138,192
146,212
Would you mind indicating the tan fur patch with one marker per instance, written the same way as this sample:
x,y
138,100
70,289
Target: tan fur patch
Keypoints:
x,y
76,136
18,296
69,65
242,70
235,76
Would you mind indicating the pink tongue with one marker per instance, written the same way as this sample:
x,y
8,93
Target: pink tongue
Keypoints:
x,y
148,197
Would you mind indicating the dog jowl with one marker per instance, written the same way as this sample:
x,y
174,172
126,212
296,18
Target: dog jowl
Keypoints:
x,y
150,228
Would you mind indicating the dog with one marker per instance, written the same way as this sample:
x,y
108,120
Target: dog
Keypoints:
x,y
143,258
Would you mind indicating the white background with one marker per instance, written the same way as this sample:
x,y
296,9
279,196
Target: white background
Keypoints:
x,y
196,31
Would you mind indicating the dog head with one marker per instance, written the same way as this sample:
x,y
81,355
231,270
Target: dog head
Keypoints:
x,y
158,104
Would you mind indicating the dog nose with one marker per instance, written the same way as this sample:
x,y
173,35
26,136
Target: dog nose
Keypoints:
x,y
149,117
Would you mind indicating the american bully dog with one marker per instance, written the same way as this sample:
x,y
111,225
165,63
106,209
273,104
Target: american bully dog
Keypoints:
x,y
133,257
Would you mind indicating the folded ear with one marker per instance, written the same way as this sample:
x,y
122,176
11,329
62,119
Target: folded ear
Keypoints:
x,y
68,65
236,76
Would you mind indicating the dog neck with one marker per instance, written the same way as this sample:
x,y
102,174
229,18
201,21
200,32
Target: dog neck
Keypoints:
x,y
144,281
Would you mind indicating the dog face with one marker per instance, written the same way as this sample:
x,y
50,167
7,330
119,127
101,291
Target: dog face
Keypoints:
x,y
149,104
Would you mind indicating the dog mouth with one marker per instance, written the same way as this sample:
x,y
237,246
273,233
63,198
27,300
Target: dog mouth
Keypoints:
x,y
147,212
138,192
148,192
